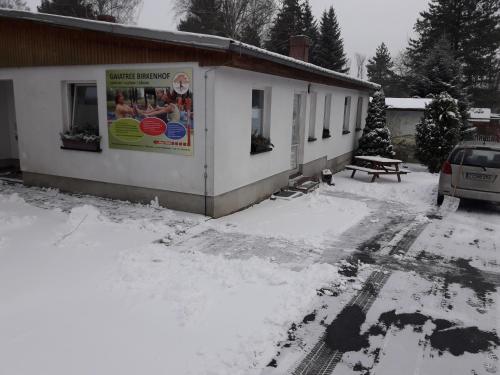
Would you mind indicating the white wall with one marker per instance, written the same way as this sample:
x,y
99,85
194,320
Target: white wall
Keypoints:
x,y
8,142
401,122
234,165
338,144
39,107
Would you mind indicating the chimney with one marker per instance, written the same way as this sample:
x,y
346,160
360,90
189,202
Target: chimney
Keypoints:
x,y
299,47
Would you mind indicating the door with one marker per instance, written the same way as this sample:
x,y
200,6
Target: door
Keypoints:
x,y
9,153
297,118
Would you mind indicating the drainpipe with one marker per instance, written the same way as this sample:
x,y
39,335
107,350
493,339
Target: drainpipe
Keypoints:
x,y
205,165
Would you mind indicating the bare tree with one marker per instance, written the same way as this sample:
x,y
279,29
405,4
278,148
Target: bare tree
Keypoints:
x,y
401,64
360,65
124,11
14,4
230,18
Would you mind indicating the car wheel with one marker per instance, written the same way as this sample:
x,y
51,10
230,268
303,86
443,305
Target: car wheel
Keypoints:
x,y
440,199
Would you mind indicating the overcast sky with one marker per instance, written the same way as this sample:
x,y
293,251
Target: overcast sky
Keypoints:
x,y
365,23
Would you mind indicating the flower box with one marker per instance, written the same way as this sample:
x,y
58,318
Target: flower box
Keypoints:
x,y
260,144
81,141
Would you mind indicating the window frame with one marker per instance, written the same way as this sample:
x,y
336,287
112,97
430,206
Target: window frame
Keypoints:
x,y
313,108
359,114
265,128
69,98
327,115
347,115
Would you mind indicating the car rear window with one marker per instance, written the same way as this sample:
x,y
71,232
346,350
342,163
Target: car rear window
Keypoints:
x,y
483,157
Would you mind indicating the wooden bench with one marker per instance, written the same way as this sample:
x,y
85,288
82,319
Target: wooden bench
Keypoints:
x,y
375,172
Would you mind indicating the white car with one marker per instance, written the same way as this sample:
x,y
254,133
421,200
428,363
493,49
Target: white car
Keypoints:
x,y
471,171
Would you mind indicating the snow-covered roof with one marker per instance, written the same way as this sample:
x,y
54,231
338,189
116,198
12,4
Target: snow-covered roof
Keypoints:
x,y
407,103
480,114
184,38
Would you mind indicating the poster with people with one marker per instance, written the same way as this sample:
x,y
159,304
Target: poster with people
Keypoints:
x,y
151,110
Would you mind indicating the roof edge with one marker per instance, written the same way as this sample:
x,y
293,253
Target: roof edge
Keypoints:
x,y
261,53
184,38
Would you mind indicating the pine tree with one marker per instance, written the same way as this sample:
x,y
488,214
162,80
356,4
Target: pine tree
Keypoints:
x,y
203,17
330,51
288,22
250,35
380,67
439,71
376,138
438,132
310,29
72,8
472,28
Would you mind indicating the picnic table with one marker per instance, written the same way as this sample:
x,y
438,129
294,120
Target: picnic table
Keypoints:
x,y
377,166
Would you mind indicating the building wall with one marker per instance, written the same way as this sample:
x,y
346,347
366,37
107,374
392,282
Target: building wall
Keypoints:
x,y
235,167
222,104
39,106
402,124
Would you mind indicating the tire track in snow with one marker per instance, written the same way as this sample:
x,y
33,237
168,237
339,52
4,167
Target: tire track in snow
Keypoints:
x,y
322,360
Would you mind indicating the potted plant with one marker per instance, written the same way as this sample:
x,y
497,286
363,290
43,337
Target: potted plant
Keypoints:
x,y
79,139
260,144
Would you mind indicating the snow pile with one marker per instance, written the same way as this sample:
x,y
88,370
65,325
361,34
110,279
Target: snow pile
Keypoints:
x,y
313,218
83,294
417,189
228,314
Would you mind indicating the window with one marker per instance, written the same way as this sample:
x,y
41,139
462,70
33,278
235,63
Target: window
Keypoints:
x,y
312,117
82,120
359,113
347,115
326,116
257,112
261,115
84,117
481,156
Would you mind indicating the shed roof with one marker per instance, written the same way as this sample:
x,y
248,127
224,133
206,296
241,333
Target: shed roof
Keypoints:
x,y
202,41
480,114
407,103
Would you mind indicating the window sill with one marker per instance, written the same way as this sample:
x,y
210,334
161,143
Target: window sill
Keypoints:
x,y
81,149
311,139
358,129
344,132
261,151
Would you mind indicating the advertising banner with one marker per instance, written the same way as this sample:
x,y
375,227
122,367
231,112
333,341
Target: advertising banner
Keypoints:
x,y
151,110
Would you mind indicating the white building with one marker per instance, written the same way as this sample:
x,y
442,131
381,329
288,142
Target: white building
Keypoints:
x,y
175,113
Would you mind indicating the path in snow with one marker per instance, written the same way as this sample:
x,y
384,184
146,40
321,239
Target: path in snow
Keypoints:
x,y
453,281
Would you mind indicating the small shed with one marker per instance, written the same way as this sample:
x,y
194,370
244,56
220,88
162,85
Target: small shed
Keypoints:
x,y
403,115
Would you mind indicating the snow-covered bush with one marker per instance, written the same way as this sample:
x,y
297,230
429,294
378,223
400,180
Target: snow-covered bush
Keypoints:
x,y
376,138
438,131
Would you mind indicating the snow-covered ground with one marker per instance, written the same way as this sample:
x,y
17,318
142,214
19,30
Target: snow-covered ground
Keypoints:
x,y
93,286
417,189
409,338
312,219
